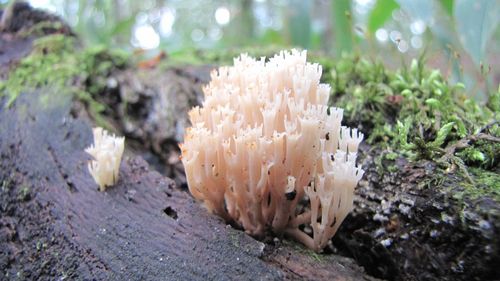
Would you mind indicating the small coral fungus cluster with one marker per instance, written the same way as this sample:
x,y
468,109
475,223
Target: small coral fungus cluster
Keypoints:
x,y
265,141
107,152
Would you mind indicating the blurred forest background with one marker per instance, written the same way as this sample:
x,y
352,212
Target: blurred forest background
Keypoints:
x,y
460,37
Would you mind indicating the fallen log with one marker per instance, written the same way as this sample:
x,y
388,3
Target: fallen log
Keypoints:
x,y
55,224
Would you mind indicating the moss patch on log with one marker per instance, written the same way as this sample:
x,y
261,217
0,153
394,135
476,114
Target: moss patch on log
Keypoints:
x,y
58,62
415,113
413,109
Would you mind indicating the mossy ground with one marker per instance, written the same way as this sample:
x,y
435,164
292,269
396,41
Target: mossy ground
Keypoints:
x,y
486,184
412,112
416,113
57,61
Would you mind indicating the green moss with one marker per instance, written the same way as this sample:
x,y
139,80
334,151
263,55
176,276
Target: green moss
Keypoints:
x,y
48,64
24,193
42,28
413,110
385,161
416,113
40,245
485,184
315,256
482,154
55,61
391,156
235,239
217,56
299,248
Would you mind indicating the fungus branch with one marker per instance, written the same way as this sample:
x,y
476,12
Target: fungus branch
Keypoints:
x,y
265,138
107,153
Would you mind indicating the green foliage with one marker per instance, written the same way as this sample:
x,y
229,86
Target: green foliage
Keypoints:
x,y
476,22
416,111
343,27
447,6
300,23
54,62
102,22
485,184
201,57
382,11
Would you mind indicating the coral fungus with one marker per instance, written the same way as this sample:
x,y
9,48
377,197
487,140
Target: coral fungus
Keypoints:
x,y
107,153
265,142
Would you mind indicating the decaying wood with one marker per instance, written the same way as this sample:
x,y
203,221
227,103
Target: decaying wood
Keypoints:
x,y
55,223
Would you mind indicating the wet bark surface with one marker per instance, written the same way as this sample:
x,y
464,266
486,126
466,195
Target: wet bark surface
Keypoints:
x,y
407,225
150,108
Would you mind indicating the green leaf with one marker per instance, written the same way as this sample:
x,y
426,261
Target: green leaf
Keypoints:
x,y
300,23
442,134
447,6
271,37
342,21
380,14
122,27
433,102
477,155
475,23
403,131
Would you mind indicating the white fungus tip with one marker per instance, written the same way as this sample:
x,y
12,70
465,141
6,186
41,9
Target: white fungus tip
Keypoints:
x,y
106,152
265,139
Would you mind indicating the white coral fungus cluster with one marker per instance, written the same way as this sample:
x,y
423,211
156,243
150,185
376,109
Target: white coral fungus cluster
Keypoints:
x,y
107,152
264,141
